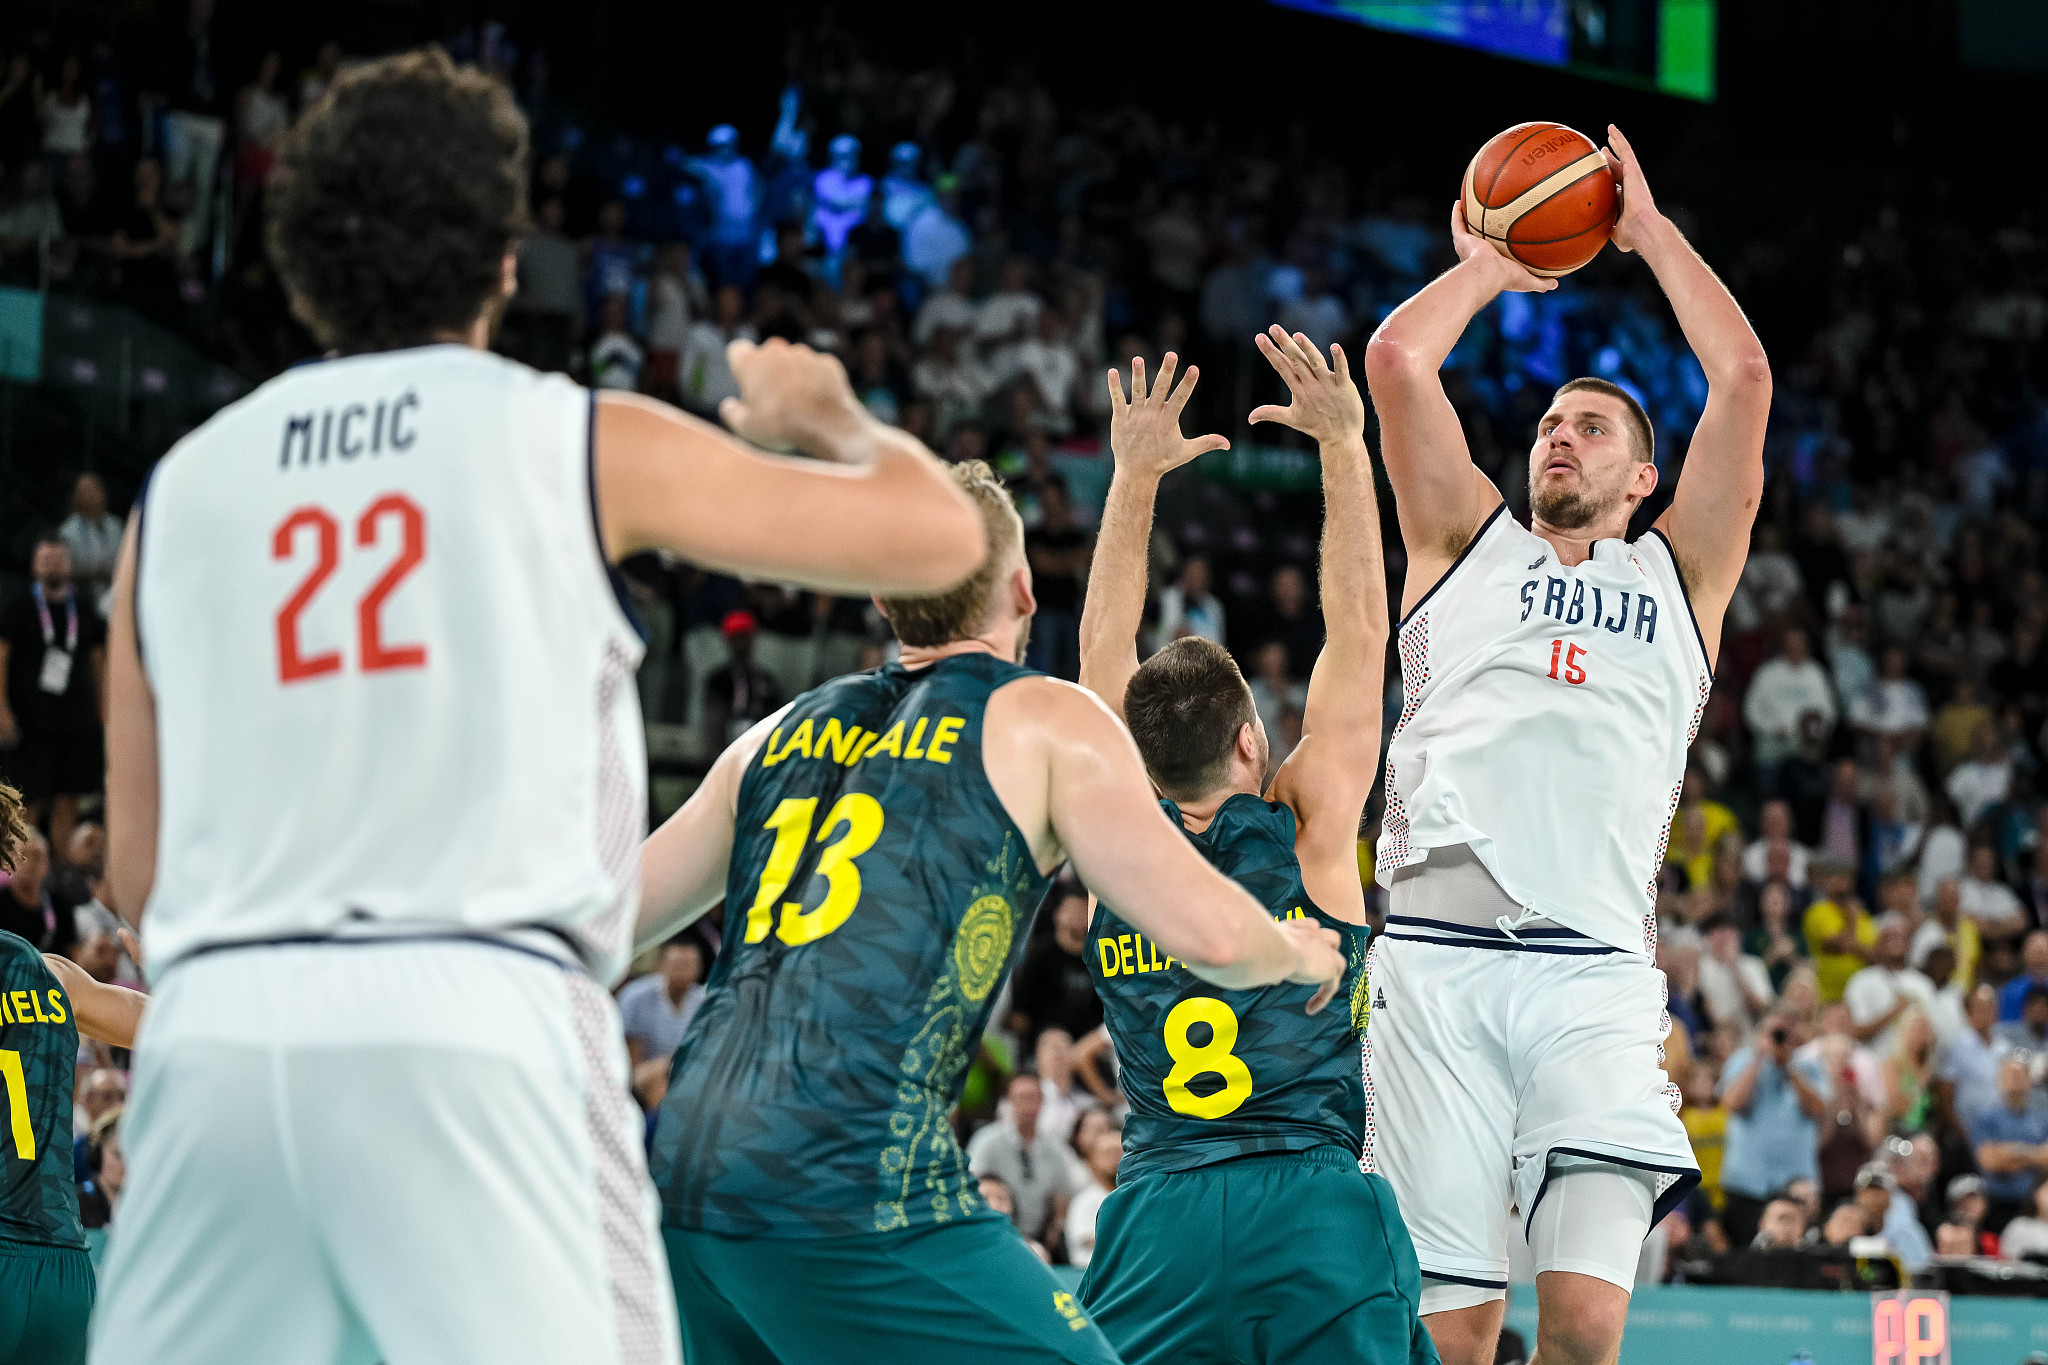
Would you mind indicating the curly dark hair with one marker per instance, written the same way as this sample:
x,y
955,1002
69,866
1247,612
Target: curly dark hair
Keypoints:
x,y
14,826
394,201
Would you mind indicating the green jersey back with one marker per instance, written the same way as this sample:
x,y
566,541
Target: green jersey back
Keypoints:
x,y
1212,1074
38,1064
877,889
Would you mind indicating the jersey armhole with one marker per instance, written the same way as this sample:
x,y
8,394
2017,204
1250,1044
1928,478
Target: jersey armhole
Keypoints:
x,y
140,513
1685,596
1456,564
614,580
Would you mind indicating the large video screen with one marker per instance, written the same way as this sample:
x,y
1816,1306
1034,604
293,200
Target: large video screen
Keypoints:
x,y
1665,45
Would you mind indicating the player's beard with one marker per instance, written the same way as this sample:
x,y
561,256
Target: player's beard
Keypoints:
x,y
1023,639
1573,508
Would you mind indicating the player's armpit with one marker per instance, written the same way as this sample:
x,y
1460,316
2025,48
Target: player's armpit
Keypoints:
x,y
683,864
104,1013
1325,782
893,523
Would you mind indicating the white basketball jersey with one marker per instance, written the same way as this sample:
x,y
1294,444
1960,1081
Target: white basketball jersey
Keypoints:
x,y
394,688
1546,713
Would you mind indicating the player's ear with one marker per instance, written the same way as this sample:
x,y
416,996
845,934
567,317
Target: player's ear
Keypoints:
x,y
880,606
1248,742
1022,599
1646,479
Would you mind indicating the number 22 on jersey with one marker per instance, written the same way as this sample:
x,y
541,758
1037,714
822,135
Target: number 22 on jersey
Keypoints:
x,y
293,664
862,816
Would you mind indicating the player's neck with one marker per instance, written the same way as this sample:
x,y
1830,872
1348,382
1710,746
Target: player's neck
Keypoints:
x,y
1575,547
917,656
1198,814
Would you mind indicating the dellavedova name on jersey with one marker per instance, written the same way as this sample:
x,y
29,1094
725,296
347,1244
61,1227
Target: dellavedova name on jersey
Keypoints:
x,y
1132,954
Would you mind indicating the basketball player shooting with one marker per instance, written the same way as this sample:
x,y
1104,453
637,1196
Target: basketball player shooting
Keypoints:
x,y
1553,679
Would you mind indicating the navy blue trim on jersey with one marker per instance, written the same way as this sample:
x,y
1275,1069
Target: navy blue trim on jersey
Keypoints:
x,y
604,557
1685,593
1484,932
135,579
478,938
1555,949
1429,1274
1463,554
1688,1180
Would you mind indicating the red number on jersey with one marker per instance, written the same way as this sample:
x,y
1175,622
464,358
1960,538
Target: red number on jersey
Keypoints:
x,y
292,666
1573,674
412,549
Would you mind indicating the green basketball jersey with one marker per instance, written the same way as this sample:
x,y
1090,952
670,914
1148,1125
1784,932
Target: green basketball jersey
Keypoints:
x,y
38,1064
1212,1074
877,891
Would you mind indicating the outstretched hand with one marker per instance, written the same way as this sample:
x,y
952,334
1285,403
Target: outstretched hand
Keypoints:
x,y
1327,404
1144,431
1638,209
1508,274
791,398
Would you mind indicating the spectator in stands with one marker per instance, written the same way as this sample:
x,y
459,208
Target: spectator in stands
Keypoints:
x,y
1773,941
104,1089
26,907
733,187
1100,1158
30,221
1892,1217
1053,988
1782,693
2029,1033
1188,607
1773,1103
1783,1226
92,534
144,242
1909,1073
2011,1142
706,379
549,304
2026,1237
1775,833
99,1198
1059,552
741,693
1734,987
1840,934
1034,1163
936,237
1967,1077
53,657
190,85
616,357
1894,705
1953,734
1989,901
953,379
1293,620
67,117
675,295
655,1009
1879,995
1984,779
2033,972
261,117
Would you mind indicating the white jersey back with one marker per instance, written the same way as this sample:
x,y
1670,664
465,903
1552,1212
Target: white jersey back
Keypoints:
x,y
1546,713
393,685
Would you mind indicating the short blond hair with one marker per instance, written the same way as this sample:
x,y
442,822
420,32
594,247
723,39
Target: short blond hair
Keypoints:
x,y
14,826
960,612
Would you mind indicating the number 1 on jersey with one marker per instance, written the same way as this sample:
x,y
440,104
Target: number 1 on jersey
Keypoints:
x,y
293,665
16,1086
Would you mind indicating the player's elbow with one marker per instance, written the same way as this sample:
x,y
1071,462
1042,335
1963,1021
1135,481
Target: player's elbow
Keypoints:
x,y
1750,372
1390,360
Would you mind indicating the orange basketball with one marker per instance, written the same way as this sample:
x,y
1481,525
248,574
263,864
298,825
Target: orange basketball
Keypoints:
x,y
1543,195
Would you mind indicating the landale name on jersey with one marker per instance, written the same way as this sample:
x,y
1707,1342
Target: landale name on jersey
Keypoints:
x,y
1130,954
26,1007
350,430
1571,613
849,744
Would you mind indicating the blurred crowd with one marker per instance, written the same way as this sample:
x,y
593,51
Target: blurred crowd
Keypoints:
x,y
1854,913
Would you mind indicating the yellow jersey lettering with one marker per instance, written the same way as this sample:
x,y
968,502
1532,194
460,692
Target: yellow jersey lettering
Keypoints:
x,y
915,749
860,750
57,1008
943,736
6,1014
890,743
35,1003
799,740
769,758
1125,957
19,999
842,742
1157,965
1106,950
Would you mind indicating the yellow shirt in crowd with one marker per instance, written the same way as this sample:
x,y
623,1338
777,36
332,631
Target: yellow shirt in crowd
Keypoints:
x,y
1708,1131
1825,920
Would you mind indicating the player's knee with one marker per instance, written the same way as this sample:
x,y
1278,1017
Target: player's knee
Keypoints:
x,y
1580,1320
1466,1336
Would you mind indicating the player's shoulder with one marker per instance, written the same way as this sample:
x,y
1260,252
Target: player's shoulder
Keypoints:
x,y
18,954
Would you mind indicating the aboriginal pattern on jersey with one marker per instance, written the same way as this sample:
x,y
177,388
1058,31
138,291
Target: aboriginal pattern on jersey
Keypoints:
x,y
38,1069
1212,1074
812,1094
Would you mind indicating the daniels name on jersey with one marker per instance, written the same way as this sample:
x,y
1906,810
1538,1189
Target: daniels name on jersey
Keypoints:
x,y
1546,713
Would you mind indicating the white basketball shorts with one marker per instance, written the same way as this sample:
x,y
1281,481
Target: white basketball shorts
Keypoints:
x,y
1491,1064
419,1153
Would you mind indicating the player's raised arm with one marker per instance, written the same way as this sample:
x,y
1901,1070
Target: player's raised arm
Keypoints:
x,y
683,864
1145,439
1327,778
1100,808
875,512
1718,490
1439,494
132,792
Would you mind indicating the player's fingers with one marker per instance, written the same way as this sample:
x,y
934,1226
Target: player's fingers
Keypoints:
x,y
1324,994
738,352
1339,361
1311,356
733,413
1116,391
130,946
1211,442
1273,343
1618,140
1182,391
1137,379
1163,385
1270,413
